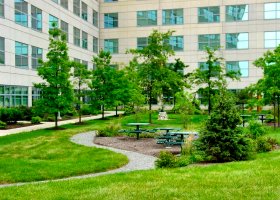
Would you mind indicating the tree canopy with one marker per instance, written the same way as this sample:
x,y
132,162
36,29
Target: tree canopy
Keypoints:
x,y
56,90
210,75
153,72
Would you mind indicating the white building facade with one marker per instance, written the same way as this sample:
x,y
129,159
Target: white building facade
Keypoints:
x,y
243,29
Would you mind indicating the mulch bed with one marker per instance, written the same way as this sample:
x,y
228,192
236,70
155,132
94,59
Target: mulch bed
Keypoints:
x,y
18,125
146,146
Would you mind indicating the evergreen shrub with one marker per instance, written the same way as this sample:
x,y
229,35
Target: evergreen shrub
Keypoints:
x,y
221,139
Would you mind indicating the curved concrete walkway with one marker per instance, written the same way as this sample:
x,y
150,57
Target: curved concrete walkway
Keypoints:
x,y
137,161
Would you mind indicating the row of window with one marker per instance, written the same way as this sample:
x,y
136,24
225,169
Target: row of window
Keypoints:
x,y
80,38
205,15
80,9
22,55
13,96
21,14
236,66
233,41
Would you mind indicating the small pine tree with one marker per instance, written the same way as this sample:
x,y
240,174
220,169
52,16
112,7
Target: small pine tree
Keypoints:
x,y
221,139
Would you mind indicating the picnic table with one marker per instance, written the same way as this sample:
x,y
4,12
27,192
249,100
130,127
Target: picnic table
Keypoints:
x,y
166,137
243,118
261,117
137,129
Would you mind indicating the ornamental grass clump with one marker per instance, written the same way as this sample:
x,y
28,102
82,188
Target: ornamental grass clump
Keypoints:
x,y
221,139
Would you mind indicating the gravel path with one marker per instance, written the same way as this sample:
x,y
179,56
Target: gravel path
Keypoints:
x,y
137,161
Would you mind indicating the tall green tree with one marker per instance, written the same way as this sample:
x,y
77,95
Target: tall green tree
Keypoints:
x,y
57,91
80,82
270,83
101,85
136,97
185,106
211,74
152,65
177,79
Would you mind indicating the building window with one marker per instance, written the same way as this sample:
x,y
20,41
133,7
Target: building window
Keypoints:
x,y
111,20
209,14
176,43
53,22
85,63
36,93
77,7
203,66
238,66
84,11
272,10
95,18
237,13
237,41
95,45
172,16
2,8
110,1
147,18
77,36
55,1
77,60
271,39
13,96
64,3
111,45
208,40
84,40
64,29
142,42
2,50
37,54
21,12
21,55
36,21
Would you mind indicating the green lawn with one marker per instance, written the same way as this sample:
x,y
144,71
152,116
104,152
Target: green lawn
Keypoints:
x,y
49,154
174,120
256,179
22,154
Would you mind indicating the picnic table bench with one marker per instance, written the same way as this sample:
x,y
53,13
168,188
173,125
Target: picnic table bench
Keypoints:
x,y
137,129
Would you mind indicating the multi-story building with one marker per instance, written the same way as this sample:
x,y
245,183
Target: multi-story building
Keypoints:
x,y
244,30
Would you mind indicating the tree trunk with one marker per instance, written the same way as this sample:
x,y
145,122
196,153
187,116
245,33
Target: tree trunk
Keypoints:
x,y
150,105
209,99
274,116
278,111
174,104
116,110
103,116
55,120
80,116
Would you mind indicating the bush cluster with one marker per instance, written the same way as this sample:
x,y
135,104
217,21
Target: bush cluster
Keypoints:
x,y
255,129
110,130
89,110
3,125
36,120
11,115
